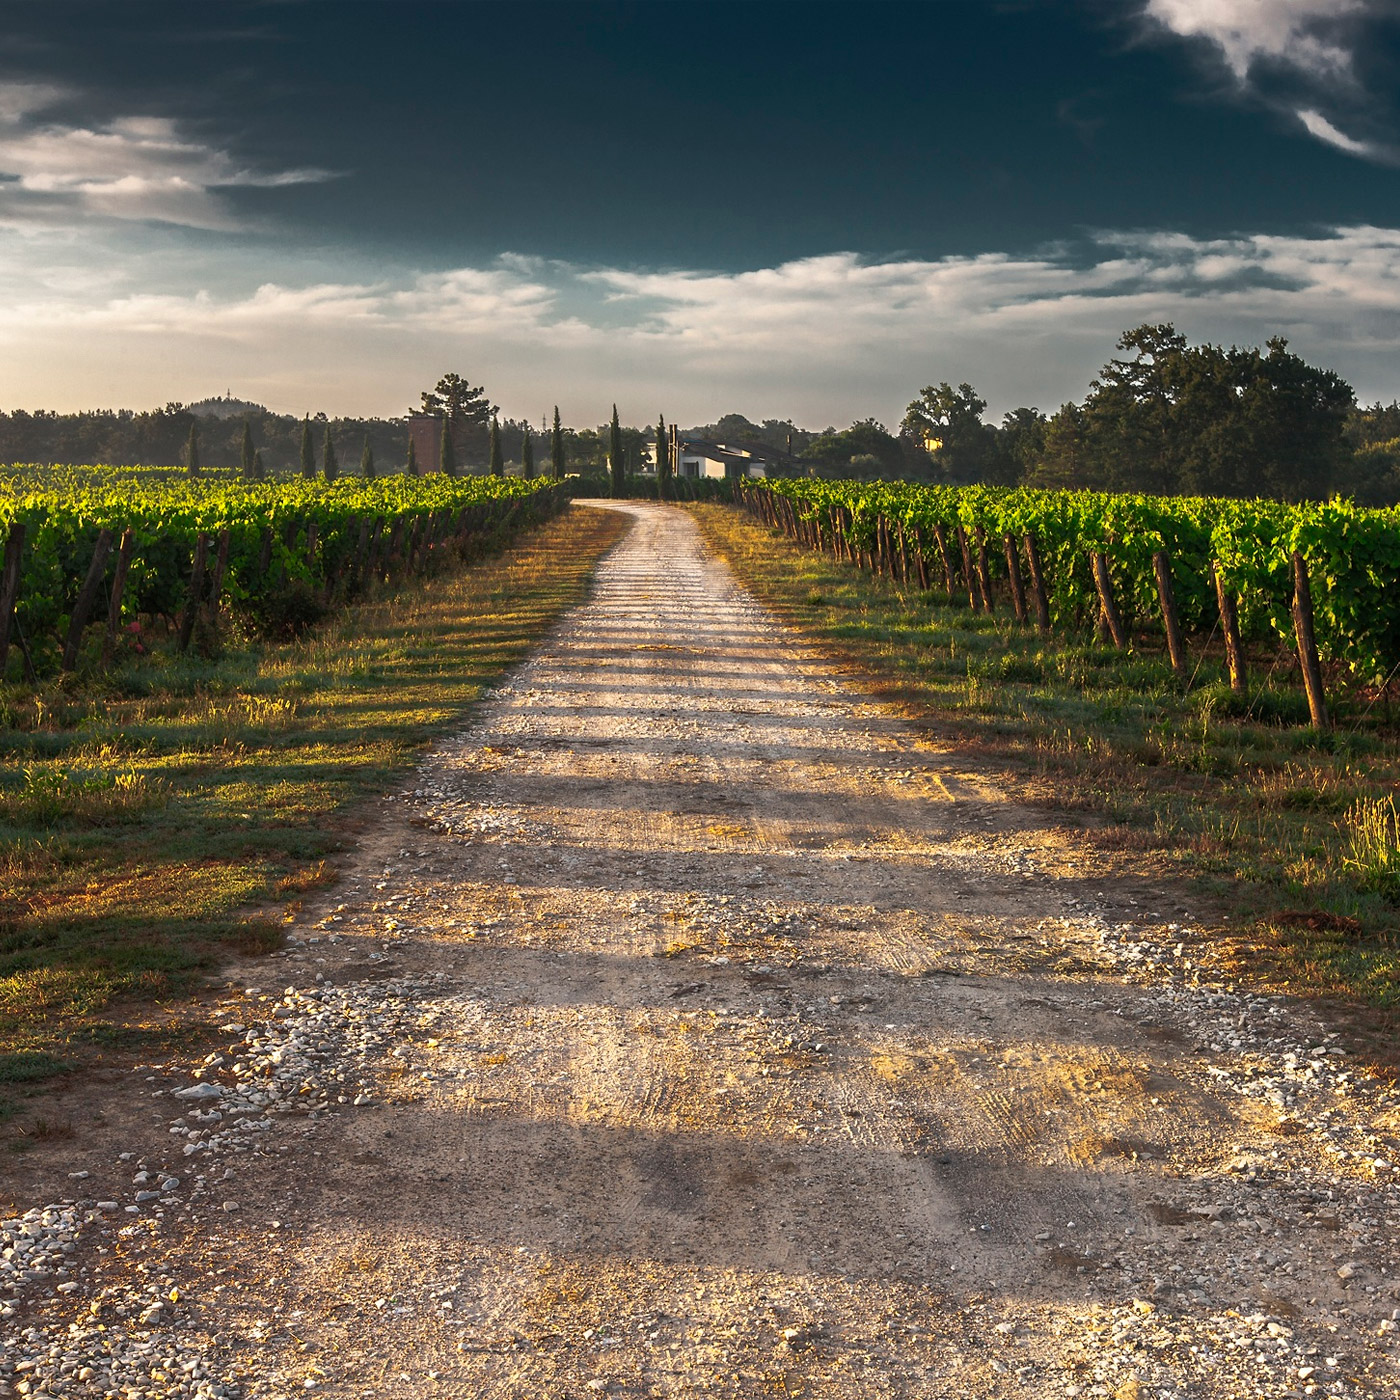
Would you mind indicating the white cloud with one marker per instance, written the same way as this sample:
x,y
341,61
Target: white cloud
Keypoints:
x,y
1307,46
1245,31
824,339
1319,126
129,168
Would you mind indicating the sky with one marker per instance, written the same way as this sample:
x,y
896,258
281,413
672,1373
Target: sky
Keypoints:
x,y
783,208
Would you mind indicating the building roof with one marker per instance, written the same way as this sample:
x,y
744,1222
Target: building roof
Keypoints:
x,y
747,455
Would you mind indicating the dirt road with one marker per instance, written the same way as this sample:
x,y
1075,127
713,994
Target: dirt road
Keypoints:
x,y
695,1027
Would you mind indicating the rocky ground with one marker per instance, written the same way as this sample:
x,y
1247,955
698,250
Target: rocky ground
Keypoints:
x,y
693,1026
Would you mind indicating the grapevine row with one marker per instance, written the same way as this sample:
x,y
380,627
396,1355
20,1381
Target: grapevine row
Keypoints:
x,y
1321,578
86,547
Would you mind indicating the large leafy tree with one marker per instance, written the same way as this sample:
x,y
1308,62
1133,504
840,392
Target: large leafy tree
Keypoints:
x,y
865,448
1168,417
947,424
1021,442
455,398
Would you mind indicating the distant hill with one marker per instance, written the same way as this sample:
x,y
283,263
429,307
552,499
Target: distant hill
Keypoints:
x,y
226,407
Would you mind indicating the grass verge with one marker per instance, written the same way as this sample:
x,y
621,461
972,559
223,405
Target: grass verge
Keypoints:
x,y
143,814
1295,830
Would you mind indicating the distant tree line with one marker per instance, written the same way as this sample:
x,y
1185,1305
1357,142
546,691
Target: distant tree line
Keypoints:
x,y
1161,416
161,438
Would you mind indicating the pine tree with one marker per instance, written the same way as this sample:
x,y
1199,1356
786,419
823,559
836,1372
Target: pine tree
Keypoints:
x,y
498,466
447,453
247,450
663,457
192,451
259,471
308,452
330,467
556,448
411,466
615,458
527,454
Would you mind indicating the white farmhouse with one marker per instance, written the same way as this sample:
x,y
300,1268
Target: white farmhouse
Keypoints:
x,y
696,457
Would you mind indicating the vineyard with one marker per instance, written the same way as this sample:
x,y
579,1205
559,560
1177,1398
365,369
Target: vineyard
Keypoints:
x,y
141,555
1319,583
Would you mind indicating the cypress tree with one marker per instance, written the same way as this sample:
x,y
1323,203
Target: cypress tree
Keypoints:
x,y
247,453
259,471
447,454
498,466
411,467
367,460
192,451
615,457
556,448
663,457
330,467
308,452
527,454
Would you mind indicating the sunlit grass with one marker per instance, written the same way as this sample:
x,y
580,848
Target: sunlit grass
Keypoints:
x,y
143,816
1238,794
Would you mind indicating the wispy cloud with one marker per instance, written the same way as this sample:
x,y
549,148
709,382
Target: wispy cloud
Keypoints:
x,y
1319,126
128,168
826,339
1297,56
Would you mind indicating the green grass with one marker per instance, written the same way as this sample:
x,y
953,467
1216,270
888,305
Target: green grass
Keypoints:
x,y
1287,825
145,816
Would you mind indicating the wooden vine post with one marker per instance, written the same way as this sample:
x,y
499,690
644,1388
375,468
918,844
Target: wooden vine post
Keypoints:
x,y
1171,620
9,587
374,567
984,572
216,578
114,606
1042,600
1230,627
1013,573
87,596
192,599
394,552
941,536
921,558
1307,642
1108,604
968,575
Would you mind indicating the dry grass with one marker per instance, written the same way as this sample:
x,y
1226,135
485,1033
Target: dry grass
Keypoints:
x,y
141,818
1263,813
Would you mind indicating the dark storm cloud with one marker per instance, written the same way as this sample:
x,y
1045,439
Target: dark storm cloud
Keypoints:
x,y
799,207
